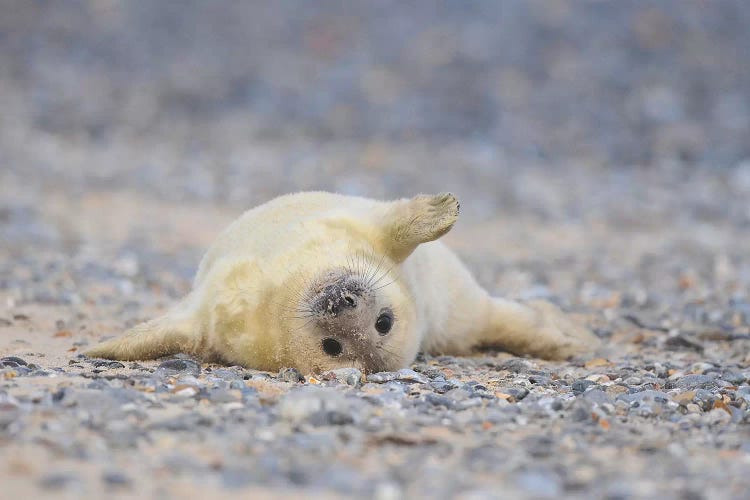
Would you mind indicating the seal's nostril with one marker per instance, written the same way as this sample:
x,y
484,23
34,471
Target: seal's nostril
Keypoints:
x,y
350,301
332,347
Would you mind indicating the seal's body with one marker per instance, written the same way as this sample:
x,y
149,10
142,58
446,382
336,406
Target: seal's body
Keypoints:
x,y
318,281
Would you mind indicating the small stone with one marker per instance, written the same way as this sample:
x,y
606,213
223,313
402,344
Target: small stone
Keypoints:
x,y
644,397
178,366
517,393
220,395
442,386
540,484
9,410
317,405
348,376
381,377
439,400
408,375
516,365
291,375
107,364
227,374
682,342
595,363
702,367
12,362
718,416
330,417
735,378
684,398
694,382
616,390
597,396
693,408
115,479
579,386
56,481
705,399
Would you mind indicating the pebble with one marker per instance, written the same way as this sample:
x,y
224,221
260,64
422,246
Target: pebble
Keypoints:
x,y
57,481
540,484
381,377
693,408
319,405
12,362
177,366
348,376
116,479
648,396
517,393
597,396
694,382
579,386
291,375
440,400
107,364
735,378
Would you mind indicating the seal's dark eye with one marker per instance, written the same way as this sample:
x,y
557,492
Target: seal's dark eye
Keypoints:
x,y
332,347
384,323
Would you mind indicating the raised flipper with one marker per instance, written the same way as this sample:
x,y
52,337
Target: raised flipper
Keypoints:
x,y
418,220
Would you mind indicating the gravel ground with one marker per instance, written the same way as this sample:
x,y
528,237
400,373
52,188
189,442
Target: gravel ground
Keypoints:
x,y
602,156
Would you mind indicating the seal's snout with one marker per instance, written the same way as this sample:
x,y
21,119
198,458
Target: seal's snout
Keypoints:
x,y
338,297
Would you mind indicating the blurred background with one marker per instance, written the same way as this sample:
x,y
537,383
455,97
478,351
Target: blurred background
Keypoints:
x,y
125,124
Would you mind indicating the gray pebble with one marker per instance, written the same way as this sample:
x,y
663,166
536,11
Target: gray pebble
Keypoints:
x,y
518,393
540,484
173,367
381,377
440,400
107,364
516,365
320,405
735,378
442,386
57,481
694,382
348,376
644,397
579,386
597,396
227,374
116,479
12,362
409,375
291,375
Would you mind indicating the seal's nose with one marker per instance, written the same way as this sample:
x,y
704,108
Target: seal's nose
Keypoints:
x,y
350,300
338,300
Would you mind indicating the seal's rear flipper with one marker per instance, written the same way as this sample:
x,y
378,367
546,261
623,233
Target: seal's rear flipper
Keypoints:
x,y
168,334
418,220
535,328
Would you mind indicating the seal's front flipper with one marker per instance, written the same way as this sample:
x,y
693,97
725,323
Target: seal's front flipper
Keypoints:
x,y
168,334
418,220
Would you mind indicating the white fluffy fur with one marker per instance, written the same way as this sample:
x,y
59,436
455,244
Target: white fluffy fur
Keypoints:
x,y
244,307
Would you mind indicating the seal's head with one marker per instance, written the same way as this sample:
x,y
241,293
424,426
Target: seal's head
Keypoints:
x,y
354,316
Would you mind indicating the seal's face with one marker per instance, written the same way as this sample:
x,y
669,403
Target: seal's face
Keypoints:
x,y
355,319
